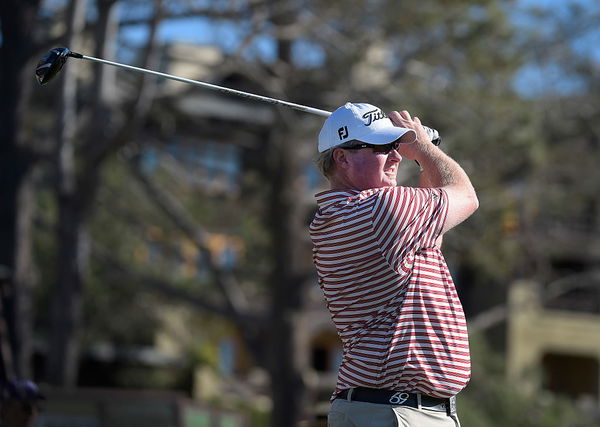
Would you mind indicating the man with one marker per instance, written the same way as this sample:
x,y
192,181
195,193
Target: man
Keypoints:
x,y
18,403
385,281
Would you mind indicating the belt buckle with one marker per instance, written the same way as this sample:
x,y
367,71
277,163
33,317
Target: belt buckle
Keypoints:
x,y
399,398
451,406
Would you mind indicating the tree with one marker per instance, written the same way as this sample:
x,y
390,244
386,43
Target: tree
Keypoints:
x,y
18,159
76,189
561,203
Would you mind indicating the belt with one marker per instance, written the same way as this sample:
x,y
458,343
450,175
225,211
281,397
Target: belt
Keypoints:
x,y
391,397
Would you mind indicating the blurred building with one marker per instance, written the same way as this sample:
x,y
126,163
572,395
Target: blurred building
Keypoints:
x,y
554,346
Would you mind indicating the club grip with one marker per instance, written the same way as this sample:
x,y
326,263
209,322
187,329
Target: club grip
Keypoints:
x,y
434,135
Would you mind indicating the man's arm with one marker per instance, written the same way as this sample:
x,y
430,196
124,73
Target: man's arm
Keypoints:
x,y
424,180
439,170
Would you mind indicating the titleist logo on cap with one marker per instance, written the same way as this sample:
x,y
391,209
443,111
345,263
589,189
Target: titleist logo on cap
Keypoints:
x,y
373,115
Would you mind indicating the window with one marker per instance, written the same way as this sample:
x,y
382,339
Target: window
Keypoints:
x,y
574,376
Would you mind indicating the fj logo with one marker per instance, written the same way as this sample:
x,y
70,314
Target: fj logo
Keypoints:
x,y
343,132
399,398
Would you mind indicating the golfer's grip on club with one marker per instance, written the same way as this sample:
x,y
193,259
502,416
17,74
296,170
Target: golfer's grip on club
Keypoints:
x,y
434,135
435,138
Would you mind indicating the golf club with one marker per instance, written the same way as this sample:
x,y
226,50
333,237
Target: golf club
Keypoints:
x,y
53,61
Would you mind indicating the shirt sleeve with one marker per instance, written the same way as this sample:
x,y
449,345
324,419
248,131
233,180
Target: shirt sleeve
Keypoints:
x,y
407,219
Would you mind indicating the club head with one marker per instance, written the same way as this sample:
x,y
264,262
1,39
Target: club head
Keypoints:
x,y
52,62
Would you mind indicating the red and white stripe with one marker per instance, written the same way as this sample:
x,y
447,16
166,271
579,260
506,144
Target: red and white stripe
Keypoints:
x,y
389,290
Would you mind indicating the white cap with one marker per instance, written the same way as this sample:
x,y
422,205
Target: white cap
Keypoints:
x,y
361,122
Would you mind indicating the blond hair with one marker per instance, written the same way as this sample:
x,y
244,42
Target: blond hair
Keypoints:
x,y
325,163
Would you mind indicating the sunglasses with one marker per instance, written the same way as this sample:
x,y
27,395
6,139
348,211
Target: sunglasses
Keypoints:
x,y
382,149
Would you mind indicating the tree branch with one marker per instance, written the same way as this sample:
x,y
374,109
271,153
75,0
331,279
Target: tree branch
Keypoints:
x,y
159,285
225,281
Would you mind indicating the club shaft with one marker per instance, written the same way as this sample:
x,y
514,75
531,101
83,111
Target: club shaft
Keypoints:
x,y
222,89
432,133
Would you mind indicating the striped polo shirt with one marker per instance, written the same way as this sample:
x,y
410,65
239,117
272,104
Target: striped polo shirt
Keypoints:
x,y
389,291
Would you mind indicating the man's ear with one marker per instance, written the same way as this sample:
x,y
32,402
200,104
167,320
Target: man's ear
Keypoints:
x,y
340,157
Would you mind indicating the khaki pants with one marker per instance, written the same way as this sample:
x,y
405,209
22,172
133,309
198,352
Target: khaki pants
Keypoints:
x,y
363,414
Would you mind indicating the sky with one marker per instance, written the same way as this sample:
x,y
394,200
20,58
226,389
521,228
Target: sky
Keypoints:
x,y
533,80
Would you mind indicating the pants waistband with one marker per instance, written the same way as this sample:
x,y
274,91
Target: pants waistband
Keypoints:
x,y
392,397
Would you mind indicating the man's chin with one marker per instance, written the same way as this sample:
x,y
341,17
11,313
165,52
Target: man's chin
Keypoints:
x,y
390,179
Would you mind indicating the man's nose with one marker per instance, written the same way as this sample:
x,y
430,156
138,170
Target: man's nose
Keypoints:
x,y
394,155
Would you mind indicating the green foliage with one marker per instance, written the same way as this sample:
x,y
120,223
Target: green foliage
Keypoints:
x,y
151,378
127,228
45,249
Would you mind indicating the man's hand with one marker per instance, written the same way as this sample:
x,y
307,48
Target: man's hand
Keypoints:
x,y
404,119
